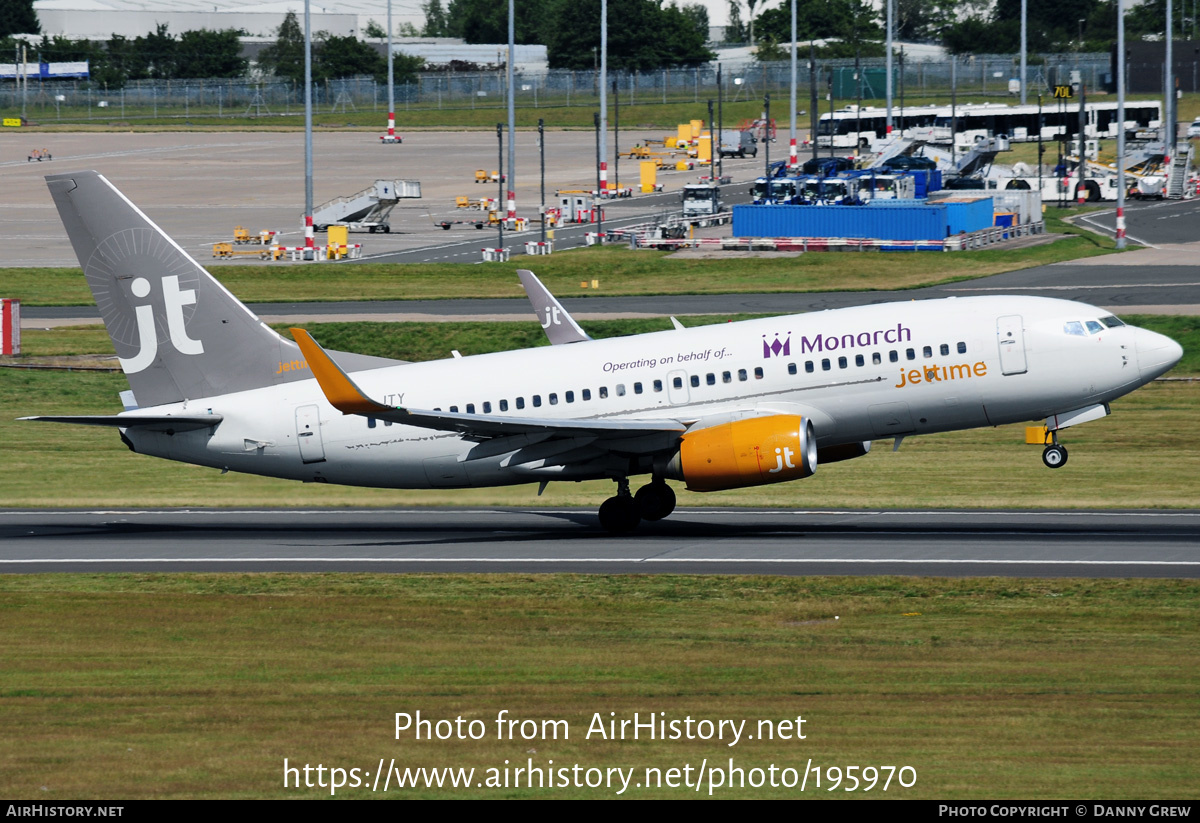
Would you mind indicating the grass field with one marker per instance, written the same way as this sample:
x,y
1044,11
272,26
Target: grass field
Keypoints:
x,y
648,113
132,686
619,272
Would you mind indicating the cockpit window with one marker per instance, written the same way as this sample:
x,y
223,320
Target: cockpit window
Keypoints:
x,y
1093,327
1074,327
1111,322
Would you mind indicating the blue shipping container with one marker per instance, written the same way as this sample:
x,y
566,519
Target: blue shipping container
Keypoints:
x,y
927,180
965,214
921,182
880,221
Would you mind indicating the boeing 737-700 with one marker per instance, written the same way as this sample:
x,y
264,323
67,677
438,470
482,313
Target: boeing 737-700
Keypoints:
x,y
717,407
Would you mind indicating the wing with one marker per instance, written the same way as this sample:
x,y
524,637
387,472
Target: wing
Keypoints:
x,y
536,438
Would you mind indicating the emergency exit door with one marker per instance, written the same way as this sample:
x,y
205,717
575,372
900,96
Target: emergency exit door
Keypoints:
x,y
1010,335
308,434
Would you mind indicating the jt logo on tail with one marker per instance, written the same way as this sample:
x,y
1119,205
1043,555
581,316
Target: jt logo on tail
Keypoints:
x,y
174,299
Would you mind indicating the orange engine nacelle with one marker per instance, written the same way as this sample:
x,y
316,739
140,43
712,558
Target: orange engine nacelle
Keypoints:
x,y
749,452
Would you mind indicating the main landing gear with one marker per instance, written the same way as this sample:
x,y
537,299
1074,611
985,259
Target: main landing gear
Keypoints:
x,y
1055,456
621,514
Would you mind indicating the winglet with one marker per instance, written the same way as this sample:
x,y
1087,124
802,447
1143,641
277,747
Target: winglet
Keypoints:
x,y
339,389
560,326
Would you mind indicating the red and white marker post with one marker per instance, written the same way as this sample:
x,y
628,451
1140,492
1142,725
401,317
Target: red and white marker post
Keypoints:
x,y
10,326
390,137
308,238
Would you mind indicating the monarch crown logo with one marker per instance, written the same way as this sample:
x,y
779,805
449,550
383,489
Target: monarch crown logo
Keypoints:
x,y
777,347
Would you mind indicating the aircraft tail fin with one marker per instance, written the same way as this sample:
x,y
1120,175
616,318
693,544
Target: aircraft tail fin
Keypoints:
x,y
178,332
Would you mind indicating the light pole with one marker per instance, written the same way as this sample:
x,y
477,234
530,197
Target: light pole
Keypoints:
x,y
542,157
792,160
602,153
1170,82
767,137
310,249
1024,45
1120,124
500,185
812,96
720,124
617,133
390,137
889,68
512,118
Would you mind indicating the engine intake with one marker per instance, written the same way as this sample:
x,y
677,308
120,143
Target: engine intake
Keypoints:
x,y
751,452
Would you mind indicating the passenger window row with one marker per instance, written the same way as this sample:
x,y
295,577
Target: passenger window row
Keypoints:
x,y
619,390
710,379
877,358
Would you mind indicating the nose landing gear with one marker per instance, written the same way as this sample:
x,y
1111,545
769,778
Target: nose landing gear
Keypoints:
x,y
1054,456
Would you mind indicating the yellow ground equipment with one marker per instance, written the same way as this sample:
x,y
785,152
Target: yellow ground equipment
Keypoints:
x,y
242,237
226,251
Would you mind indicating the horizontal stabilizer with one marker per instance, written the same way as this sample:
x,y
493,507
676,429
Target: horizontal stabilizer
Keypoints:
x,y
170,423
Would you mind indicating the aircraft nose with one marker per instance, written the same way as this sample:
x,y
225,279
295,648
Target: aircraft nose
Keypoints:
x,y
1156,353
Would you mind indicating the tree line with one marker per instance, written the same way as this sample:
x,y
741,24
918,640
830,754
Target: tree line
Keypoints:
x,y
642,35
966,26
161,55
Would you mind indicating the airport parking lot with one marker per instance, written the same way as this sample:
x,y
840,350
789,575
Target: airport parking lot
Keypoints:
x,y
198,185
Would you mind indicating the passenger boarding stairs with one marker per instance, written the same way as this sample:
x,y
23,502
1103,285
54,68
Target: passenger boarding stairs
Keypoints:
x,y
894,146
369,208
977,159
981,155
1177,173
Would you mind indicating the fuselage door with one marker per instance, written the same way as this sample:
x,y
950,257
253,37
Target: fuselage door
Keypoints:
x,y
1010,333
677,387
308,434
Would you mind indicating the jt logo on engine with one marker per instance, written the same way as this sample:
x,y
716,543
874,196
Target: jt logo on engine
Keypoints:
x,y
783,458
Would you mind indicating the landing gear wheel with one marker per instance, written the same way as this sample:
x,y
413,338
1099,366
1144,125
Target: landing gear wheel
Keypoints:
x,y
1055,457
619,515
387,229
655,501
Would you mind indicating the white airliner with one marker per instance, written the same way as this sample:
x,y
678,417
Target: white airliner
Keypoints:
x,y
718,407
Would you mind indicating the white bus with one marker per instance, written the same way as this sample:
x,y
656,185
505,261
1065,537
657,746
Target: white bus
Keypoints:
x,y
854,128
859,128
1020,123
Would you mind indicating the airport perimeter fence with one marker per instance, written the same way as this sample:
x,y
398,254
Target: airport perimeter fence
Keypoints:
x,y
975,77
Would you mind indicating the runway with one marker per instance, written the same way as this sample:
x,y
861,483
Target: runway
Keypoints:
x,y
691,541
